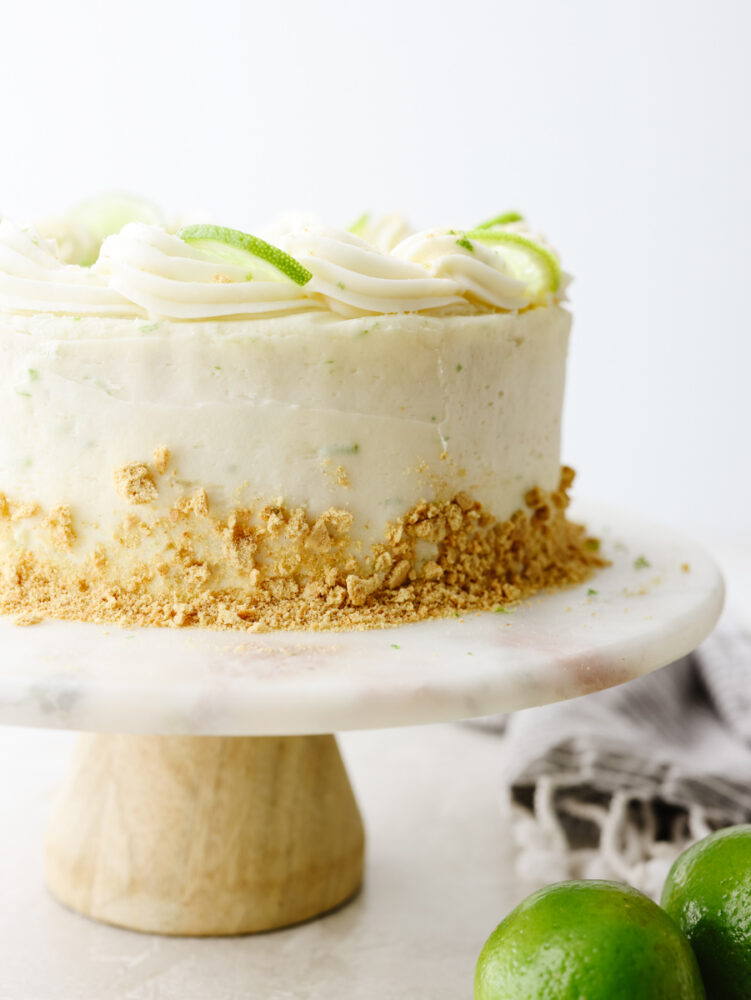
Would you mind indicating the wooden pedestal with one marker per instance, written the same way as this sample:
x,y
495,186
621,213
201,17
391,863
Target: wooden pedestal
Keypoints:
x,y
205,835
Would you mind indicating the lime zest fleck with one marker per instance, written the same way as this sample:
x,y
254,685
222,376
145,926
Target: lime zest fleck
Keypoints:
x,y
464,242
641,562
394,646
592,592
33,374
501,220
459,367
592,544
501,610
545,260
219,242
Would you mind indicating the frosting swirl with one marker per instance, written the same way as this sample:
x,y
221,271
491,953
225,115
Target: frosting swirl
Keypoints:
x,y
167,277
480,273
144,269
354,278
34,279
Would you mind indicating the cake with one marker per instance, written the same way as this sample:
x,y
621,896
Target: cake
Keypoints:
x,y
345,429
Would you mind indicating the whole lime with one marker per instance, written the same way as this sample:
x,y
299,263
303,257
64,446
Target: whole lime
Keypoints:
x,y
708,894
593,940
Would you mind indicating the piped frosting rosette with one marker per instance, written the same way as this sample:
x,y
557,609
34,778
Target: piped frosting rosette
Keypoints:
x,y
34,279
167,277
210,272
353,277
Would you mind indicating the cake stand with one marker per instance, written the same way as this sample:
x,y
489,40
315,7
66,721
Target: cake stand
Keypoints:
x,y
207,795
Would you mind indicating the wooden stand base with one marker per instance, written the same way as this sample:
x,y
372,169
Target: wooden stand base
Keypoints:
x,y
205,835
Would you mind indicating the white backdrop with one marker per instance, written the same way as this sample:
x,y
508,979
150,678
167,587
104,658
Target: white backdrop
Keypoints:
x,y
620,128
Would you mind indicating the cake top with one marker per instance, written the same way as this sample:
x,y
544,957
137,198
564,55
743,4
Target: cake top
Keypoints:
x,y
117,256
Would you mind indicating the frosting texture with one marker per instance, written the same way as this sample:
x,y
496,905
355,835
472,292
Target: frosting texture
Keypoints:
x,y
143,270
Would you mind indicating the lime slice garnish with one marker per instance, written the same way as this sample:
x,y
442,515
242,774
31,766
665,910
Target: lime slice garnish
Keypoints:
x,y
108,213
501,220
244,250
360,225
528,261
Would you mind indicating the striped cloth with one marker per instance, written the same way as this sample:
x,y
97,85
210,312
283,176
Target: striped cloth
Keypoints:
x,y
617,784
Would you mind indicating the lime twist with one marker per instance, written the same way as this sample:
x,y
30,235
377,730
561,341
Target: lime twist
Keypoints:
x,y
529,261
593,940
107,214
501,220
243,250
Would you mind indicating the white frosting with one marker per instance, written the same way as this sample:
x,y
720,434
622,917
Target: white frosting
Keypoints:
x,y
353,277
409,406
143,270
480,273
34,279
167,277
384,232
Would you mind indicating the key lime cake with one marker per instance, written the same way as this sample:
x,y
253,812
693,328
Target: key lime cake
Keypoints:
x,y
340,429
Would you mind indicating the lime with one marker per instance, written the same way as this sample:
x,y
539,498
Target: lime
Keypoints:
x,y
587,941
501,220
708,893
244,250
528,261
108,213
360,225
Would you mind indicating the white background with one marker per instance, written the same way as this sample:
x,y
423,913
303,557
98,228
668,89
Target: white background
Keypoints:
x,y
619,128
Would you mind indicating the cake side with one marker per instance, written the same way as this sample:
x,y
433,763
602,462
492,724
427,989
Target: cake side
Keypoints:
x,y
277,568
306,471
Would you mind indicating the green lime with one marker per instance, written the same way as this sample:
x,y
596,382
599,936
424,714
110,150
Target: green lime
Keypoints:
x,y
587,941
244,250
360,225
527,260
708,893
501,220
108,213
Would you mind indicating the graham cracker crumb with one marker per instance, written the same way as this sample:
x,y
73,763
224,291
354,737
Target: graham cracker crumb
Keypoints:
x,y
197,504
341,476
432,571
399,574
319,539
60,523
161,459
134,483
281,569
23,510
25,620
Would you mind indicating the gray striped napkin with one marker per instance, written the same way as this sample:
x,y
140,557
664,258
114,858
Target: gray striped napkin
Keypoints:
x,y
617,784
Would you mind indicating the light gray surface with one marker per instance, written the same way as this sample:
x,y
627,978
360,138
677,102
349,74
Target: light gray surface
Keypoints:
x,y
437,882
658,600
